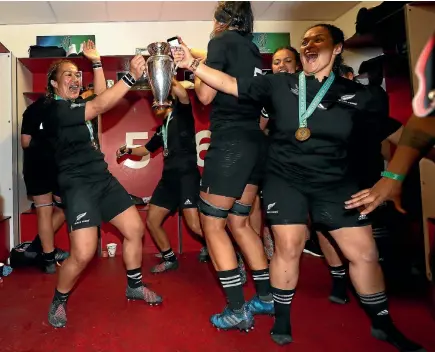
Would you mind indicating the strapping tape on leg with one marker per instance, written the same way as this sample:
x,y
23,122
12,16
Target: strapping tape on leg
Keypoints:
x,y
240,209
58,204
210,210
44,205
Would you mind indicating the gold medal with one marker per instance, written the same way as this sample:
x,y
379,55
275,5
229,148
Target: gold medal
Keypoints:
x,y
302,134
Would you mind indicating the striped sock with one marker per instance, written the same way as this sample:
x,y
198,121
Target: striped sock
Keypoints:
x,y
262,284
232,285
338,272
134,278
376,306
169,256
282,300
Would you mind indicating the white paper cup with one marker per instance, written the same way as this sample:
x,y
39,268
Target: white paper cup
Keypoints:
x,y
111,249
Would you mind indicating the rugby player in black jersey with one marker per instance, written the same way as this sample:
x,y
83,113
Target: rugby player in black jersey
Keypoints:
x,y
40,178
233,168
316,114
90,193
179,186
284,59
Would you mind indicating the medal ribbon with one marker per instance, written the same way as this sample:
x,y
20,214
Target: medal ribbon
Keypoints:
x,y
88,123
165,131
304,114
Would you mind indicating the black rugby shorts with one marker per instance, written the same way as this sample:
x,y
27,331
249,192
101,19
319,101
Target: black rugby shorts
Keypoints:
x,y
88,204
40,177
288,203
177,191
234,159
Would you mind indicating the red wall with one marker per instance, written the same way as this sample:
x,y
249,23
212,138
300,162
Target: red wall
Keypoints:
x,y
133,121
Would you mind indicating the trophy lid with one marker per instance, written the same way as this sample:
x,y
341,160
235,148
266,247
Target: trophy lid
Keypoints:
x,y
159,48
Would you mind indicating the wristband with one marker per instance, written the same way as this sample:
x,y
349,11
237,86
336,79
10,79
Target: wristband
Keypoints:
x,y
393,176
97,65
128,79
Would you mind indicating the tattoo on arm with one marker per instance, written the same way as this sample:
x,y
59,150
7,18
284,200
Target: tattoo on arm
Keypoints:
x,y
417,139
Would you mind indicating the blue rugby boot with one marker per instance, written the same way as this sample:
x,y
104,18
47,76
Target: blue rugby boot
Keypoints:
x,y
257,306
232,319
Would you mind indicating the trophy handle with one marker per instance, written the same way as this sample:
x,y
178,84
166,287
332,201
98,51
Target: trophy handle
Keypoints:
x,y
139,51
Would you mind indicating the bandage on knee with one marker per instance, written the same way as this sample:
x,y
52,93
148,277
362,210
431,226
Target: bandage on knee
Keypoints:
x,y
43,205
210,210
240,209
58,204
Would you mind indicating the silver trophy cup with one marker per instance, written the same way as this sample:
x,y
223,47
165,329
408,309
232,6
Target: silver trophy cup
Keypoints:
x,y
160,72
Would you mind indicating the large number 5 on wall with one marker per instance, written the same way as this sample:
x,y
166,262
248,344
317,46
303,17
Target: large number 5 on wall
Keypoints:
x,y
129,140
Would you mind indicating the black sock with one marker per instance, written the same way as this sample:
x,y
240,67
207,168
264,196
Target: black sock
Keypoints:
x,y
36,245
339,282
376,306
232,284
134,278
49,257
59,296
262,284
169,256
282,300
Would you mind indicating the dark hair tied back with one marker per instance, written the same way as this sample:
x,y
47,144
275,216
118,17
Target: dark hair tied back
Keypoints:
x,y
294,51
51,75
236,14
337,36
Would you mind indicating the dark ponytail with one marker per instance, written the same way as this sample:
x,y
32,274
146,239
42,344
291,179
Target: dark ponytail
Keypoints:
x,y
235,14
337,36
338,62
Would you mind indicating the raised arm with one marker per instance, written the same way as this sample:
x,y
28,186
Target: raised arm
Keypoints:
x,y
110,97
91,53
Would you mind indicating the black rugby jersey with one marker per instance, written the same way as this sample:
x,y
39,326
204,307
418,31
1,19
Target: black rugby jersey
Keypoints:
x,y
235,54
181,140
326,156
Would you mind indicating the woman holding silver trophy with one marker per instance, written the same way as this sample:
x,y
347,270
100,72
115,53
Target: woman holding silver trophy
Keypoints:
x,y
90,193
233,168
178,187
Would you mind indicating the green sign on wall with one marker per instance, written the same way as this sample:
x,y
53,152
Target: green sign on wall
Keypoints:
x,y
268,42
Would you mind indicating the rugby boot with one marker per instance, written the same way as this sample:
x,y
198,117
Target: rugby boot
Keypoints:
x,y
57,313
392,335
259,307
231,319
143,293
164,266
